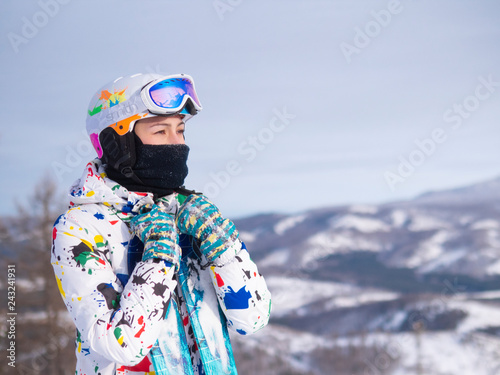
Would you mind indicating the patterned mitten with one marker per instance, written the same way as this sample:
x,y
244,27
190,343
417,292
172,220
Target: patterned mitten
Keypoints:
x,y
156,229
201,219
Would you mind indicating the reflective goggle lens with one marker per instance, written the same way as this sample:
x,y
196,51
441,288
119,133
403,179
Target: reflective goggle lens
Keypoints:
x,y
170,93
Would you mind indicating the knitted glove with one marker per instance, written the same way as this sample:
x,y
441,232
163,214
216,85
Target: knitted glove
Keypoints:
x,y
201,219
156,229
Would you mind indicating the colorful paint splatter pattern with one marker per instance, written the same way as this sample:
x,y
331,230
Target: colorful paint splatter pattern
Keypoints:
x,y
141,317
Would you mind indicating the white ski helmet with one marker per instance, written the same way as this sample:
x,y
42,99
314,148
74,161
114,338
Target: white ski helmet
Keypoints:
x,y
119,104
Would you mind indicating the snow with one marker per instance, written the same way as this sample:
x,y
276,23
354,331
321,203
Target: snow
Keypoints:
x,y
398,218
361,224
429,249
444,261
439,353
494,269
444,353
34,316
485,224
285,343
388,322
360,298
446,237
492,238
289,294
479,315
286,224
396,321
492,294
465,219
31,285
327,243
247,237
363,209
276,258
422,223
464,351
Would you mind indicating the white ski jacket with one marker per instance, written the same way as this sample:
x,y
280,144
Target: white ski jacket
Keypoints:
x,y
134,317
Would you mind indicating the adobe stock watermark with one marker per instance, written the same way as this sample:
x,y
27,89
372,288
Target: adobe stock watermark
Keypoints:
x,y
372,29
31,26
223,6
249,149
426,147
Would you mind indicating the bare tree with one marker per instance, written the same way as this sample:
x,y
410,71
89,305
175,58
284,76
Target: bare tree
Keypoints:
x,y
44,337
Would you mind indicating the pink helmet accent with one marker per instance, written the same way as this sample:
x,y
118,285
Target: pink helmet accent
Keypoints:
x,y
110,106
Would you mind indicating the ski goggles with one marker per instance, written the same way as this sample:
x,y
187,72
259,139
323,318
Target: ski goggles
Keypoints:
x,y
170,95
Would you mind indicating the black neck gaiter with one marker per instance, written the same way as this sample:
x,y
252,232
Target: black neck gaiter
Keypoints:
x,y
160,168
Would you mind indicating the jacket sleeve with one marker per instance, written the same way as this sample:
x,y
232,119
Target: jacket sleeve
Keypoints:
x,y
242,292
115,321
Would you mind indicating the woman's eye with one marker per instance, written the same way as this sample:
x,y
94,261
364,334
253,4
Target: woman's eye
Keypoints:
x,y
160,132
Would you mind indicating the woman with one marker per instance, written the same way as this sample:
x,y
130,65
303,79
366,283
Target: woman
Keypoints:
x,y
151,272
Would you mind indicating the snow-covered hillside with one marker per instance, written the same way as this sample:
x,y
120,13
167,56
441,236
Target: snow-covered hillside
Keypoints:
x,y
456,236
402,288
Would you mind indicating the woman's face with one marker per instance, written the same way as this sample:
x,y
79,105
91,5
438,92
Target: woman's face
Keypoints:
x,y
161,130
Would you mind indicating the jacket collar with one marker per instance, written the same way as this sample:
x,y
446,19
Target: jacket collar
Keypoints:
x,y
94,187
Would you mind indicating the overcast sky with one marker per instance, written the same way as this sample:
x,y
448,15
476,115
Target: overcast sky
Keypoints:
x,y
306,103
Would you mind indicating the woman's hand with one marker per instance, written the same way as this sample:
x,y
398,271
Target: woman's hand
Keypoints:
x,y
201,219
157,230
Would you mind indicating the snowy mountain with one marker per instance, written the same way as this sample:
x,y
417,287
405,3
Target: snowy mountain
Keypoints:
x,y
408,287
487,191
451,232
